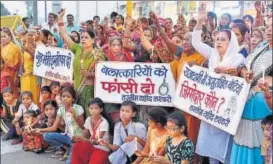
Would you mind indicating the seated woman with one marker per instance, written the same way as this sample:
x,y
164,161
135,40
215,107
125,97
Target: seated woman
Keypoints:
x,y
156,138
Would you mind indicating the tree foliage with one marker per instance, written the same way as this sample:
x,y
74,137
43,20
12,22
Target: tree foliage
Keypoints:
x,y
4,10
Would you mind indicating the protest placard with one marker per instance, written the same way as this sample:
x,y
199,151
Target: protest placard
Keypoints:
x,y
53,63
144,83
218,99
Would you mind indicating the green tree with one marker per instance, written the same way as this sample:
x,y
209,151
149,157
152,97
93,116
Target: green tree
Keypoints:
x,y
4,10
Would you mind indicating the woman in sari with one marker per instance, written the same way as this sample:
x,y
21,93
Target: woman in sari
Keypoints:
x,y
116,52
84,63
240,31
213,142
11,54
28,80
247,141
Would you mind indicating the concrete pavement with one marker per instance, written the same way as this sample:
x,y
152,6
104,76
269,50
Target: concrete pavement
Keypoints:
x,y
14,154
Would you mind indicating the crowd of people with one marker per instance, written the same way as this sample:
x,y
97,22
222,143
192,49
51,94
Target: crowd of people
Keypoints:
x,y
66,118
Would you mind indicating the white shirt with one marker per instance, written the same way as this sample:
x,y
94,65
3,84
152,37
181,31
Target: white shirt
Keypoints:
x,y
22,109
53,29
103,127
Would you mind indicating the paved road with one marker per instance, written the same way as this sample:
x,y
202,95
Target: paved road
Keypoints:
x,y
13,154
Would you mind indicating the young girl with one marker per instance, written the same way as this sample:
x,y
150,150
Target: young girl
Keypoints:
x,y
266,150
50,110
10,107
31,141
179,149
127,132
27,105
55,88
87,148
72,114
156,139
45,95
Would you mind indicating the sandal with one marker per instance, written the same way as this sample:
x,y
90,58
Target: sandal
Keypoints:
x,y
64,157
56,155
61,151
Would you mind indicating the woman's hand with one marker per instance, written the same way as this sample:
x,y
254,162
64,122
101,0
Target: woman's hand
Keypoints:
x,y
259,7
141,153
160,159
103,142
202,13
248,75
129,138
263,85
61,14
78,139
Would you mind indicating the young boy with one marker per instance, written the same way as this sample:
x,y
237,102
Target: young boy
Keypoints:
x,y
266,149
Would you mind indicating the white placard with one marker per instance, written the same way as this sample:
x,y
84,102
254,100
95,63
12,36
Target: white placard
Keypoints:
x,y
144,83
218,99
53,63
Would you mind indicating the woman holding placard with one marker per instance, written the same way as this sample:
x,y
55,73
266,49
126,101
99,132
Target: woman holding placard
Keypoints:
x,y
84,63
224,58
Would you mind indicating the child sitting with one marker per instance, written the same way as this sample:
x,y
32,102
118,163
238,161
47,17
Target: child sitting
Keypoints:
x,y
129,135
156,138
31,141
45,95
87,147
266,151
27,104
10,107
55,88
179,149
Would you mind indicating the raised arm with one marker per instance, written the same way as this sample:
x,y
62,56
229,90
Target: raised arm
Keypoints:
x,y
259,9
171,46
126,38
144,41
62,29
197,43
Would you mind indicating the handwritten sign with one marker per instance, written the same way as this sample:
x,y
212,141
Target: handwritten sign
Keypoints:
x,y
144,83
215,98
53,63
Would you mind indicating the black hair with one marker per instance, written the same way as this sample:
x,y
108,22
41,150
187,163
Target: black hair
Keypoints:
x,y
169,19
193,21
249,17
158,115
7,89
122,18
45,32
238,21
89,22
28,93
78,34
113,14
24,19
228,32
33,113
228,15
66,84
100,103
242,27
46,88
179,120
55,83
268,120
52,103
134,107
70,15
91,34
69,90
51,14
214,16
96,16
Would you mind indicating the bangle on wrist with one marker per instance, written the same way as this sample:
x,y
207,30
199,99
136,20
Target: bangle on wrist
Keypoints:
x,y
267,97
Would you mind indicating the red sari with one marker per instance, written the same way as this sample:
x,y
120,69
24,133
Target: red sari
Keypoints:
x,y
127,55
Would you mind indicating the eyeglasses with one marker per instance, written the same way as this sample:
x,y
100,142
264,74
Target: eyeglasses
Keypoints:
x,y
171,129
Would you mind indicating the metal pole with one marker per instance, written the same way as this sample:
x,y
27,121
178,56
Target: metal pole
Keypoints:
x,y
45,11
35,12
96,7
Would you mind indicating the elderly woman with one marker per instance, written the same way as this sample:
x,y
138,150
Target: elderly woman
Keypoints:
x,y
28,80
84,63
11,54
224,58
